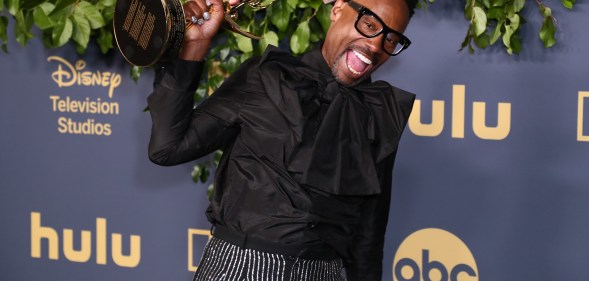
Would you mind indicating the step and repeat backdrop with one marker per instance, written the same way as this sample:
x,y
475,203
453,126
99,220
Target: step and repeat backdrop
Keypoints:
x,y
491,180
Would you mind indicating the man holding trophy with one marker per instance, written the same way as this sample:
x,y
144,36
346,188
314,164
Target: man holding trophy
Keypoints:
x,y
304,185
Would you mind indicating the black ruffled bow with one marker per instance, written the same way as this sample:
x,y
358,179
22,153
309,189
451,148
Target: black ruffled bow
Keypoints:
x,y
347,131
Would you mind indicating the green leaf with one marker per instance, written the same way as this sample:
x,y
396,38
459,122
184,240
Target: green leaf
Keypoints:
x,y
303,5
487,3
22,29
41,18
136,72
299,42
516,43
514,21
217,157
224,53
245,56
62,32
104,40
323,16
495,13
468,9
496,33
518,5
211,191
547,32
482,41
230,65
568,3
466,40
29,4
270,38
105,3
3,35
200,93
316,4
546,11
80,50
1,6
292,3
280,13
196,172
499,3
204,175
81,33
244,44
507,37
480,21
91,13
107,14
13,6
47,7
215,82
61,5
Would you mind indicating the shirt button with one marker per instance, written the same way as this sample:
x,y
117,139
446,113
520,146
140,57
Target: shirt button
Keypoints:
x,y
311,225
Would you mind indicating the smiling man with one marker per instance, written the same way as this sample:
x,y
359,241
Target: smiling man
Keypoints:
x,y
304,185
354,53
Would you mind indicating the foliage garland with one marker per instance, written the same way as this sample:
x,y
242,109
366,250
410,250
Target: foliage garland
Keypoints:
x,y
293,24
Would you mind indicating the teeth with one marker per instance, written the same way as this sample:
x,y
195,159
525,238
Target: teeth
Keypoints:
x,y
353,70
363,58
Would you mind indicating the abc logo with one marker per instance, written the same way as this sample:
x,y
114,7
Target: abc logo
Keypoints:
x,y
433,254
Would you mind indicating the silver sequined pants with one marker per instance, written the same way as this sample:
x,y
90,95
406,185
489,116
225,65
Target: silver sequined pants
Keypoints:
x,y
222,261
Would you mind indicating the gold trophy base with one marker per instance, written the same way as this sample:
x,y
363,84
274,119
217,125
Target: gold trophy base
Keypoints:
x,y
147,31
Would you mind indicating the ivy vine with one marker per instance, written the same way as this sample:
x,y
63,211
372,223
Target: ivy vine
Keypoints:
x,y
491,20
291,24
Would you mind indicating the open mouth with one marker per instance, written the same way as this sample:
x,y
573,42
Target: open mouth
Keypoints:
x,y
357,62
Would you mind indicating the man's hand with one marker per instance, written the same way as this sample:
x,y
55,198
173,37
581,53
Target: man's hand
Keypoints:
x,y
204,17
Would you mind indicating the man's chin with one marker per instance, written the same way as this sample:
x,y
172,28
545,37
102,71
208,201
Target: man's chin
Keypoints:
x,y
346,77
350,82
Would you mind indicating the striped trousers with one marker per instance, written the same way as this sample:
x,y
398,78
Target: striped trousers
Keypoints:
x,y
223,261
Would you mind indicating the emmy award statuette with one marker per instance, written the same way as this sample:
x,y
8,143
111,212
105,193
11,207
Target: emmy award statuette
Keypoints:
x,y
147,31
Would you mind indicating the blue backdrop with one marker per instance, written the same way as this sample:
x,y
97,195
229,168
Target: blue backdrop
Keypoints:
x,y
491,180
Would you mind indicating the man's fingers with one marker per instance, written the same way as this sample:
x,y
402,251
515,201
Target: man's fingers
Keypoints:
x,y
192,9
234,2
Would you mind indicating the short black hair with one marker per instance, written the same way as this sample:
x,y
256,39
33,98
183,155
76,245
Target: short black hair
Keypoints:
x,y
411,4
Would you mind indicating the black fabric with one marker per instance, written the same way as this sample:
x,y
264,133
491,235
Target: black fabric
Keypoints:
x,y
305,160
319,251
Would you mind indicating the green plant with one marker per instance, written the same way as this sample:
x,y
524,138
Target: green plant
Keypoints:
x,y
59,22
494,19
293,24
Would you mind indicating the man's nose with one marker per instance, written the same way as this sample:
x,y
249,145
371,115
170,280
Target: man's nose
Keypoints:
x,y
374,44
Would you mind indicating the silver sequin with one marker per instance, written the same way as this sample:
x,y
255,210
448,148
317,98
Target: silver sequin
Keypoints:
x,y
225,261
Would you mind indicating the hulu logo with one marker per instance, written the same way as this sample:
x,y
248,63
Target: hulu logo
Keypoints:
x,y
41,233
458,114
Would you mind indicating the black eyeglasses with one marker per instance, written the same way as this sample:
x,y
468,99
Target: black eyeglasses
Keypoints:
x,y
370,25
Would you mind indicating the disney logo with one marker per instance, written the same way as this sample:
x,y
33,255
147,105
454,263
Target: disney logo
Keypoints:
x,y
68,75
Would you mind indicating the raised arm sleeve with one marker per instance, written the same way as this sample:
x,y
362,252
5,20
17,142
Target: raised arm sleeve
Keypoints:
x,y
181,132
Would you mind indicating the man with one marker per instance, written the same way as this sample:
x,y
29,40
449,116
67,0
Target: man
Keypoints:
x,y
303,188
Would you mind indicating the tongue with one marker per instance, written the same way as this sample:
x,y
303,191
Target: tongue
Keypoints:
x,y
355,62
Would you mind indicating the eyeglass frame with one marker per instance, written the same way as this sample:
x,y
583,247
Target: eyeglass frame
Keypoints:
x,y
362,10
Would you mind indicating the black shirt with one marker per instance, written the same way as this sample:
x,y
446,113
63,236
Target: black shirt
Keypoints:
x,y
305,159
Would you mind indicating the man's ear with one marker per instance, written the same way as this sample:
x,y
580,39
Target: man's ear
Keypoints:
x,y
336,10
